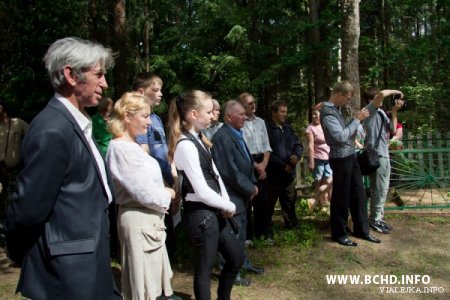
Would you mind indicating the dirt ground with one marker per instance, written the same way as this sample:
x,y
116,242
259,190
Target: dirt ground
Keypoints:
x,y
418,245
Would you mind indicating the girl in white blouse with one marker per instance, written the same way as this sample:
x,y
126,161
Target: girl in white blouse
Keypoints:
x,y
207,209
143,201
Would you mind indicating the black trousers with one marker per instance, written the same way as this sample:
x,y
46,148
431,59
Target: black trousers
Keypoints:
x,y
285,192
211,234
170,236
114,243
348,193
258,219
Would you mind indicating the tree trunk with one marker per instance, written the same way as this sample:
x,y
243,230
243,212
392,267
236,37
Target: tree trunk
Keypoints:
x,y
147,28
120,69
321,87
93,30
384,40
350,45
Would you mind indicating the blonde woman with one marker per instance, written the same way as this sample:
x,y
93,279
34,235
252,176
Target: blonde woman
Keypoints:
x,y
143,201
207,206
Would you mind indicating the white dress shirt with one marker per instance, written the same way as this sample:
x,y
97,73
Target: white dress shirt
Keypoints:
x,y
187,159
255,136
86,126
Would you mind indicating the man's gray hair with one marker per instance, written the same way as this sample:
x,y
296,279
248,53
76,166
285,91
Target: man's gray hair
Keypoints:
x,y
230,106
216,103
80,55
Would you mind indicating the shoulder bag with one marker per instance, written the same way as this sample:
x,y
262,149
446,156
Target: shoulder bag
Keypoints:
x,y
368,159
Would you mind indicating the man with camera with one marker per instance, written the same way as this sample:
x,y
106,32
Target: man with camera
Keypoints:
x,y
378,122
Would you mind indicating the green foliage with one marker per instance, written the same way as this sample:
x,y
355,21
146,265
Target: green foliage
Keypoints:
x,y
422,100
301,208
227,47
238,37
305,236
30,26
410,51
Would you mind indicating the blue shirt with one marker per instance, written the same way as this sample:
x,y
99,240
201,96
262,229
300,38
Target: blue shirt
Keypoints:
x,y
157,143
240,135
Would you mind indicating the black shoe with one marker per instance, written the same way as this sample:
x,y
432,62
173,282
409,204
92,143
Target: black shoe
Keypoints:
x,y
368,237
345,241
389,227
255,270
172,297
240,281
379,227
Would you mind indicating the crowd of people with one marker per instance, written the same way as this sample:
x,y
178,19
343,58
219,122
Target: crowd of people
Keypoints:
x,y
125,168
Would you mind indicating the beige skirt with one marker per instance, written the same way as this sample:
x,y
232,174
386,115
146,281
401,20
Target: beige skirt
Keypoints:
x,y
146,270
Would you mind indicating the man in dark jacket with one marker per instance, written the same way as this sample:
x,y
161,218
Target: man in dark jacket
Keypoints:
x,y
286,151
236,167
58,215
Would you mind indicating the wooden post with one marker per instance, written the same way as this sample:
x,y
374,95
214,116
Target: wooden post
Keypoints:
x,y
447,145
420,159
410,144
440,158
430,154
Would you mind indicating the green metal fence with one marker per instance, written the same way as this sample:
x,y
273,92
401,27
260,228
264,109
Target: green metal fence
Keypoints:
x,y
420,176
420,173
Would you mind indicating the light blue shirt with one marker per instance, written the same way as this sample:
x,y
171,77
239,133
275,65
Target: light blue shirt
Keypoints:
x,y
157,143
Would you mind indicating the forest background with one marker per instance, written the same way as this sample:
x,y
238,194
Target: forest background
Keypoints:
x,y
290,50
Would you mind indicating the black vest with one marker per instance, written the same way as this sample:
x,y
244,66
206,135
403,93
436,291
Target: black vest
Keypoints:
x,y
212,179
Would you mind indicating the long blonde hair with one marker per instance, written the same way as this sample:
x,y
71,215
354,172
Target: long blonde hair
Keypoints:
x,y
129,103
179,107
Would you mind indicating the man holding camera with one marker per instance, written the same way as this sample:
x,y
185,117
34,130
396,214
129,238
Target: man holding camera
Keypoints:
x,y
379,180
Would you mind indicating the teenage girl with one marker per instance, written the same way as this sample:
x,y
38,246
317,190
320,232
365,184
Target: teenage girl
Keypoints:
x,y
207,208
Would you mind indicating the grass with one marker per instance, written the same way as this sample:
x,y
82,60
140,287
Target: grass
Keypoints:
x,y
297,266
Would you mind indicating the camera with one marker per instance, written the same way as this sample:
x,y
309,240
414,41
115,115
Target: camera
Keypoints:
x,y
406,104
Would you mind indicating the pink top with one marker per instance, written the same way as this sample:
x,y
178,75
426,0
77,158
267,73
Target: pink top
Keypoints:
x,y
321,149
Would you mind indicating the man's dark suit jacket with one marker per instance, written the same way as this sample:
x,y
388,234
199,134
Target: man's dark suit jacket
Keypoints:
x,y
60,211
235,167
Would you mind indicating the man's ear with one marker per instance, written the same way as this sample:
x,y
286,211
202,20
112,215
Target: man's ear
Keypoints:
x,y
70,75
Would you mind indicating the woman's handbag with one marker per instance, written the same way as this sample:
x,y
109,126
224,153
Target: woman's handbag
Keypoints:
x,y
368,159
